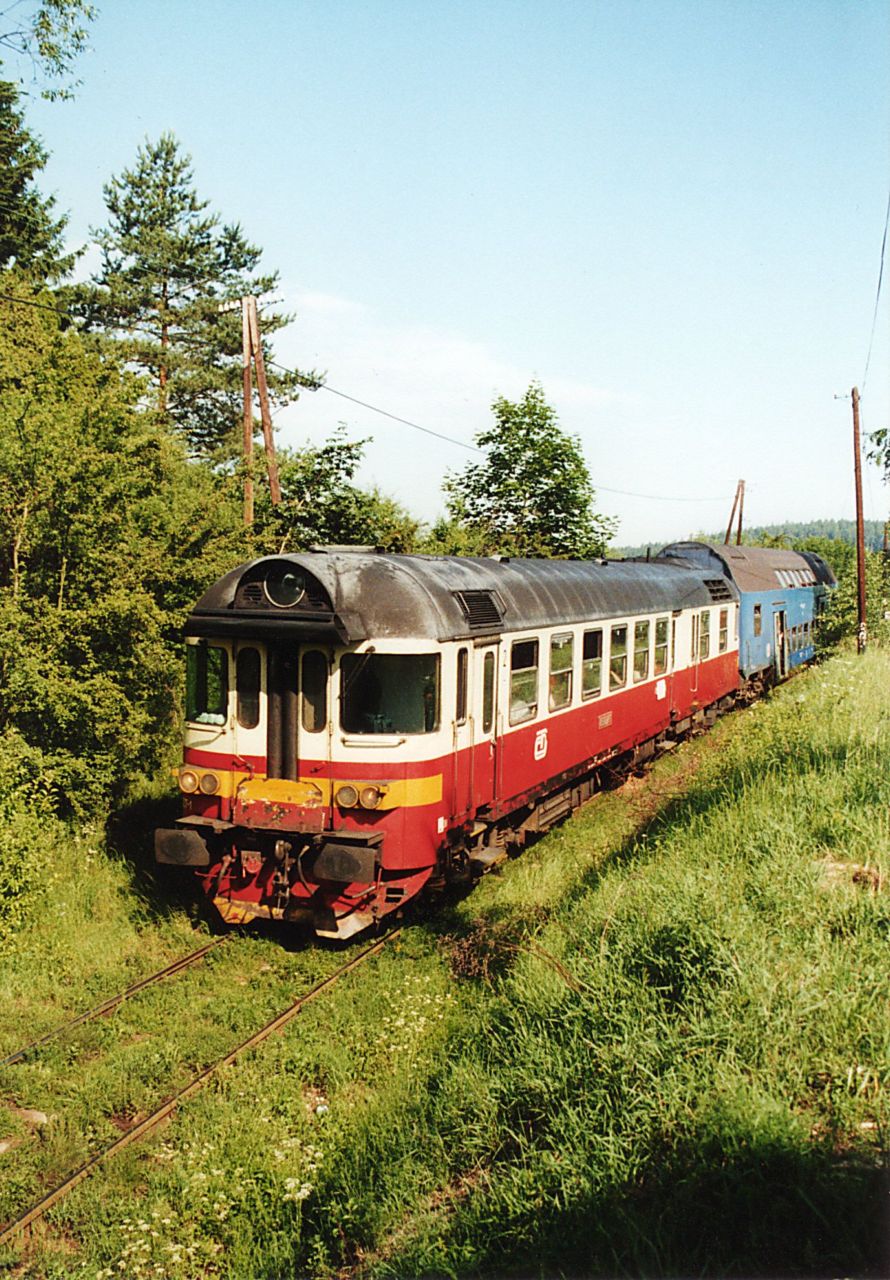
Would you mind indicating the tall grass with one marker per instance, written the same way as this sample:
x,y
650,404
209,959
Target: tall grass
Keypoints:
x,y
657,1044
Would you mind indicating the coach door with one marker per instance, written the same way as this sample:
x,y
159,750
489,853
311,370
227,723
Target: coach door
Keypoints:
x,y
485,747
781,638
696,652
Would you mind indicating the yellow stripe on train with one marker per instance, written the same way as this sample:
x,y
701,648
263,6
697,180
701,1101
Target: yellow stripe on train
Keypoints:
x,y
395,793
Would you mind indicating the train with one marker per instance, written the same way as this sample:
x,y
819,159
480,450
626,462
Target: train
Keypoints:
x,y
363,727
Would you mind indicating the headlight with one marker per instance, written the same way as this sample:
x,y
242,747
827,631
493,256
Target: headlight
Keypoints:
x,y
209,784
370,797
284,586
188,780
347,797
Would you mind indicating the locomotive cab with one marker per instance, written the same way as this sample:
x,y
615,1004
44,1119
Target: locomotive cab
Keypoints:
x,y
304,757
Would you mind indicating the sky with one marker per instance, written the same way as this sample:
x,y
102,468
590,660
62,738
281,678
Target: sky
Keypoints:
x,y
668,212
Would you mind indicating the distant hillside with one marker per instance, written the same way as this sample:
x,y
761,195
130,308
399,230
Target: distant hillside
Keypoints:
x,y
835,530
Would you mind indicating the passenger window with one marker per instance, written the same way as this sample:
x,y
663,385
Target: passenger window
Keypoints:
x,y
523,681
562,650
207,684
460,711
314,685
641,651
618,658
488,692
704,640
661,646
592,664
247,680
758,620
723,643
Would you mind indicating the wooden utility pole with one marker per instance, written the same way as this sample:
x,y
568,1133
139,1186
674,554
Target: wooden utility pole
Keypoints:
x,y
862,634
738,504
262,387
247,436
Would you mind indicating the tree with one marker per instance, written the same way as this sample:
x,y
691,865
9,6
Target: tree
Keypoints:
x,y
879,450
52,36
168,268
322,505
107,534
532,495
30,236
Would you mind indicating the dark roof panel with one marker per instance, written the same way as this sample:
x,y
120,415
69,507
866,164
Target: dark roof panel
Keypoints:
x,y
354,595
754,568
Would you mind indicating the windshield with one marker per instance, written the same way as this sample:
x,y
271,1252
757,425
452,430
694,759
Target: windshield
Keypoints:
x,y
389,692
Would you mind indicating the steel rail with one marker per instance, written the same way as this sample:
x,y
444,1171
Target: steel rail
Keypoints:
x,y
38,1210
113,1001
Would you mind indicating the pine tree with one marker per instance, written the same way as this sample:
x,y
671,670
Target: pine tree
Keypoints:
x,y
168,266
532,495
30,236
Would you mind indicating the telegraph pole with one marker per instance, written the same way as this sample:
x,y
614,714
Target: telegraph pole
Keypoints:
x,y
738,535
738,504
862,634
247,425
262,388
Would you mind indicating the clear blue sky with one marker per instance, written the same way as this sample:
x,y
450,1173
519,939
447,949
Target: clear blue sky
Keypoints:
x,y
668,212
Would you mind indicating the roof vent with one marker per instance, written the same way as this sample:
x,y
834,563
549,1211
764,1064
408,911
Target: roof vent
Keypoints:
x,y
718,589
480,609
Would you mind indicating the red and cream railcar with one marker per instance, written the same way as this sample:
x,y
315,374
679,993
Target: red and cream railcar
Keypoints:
x,y
360,724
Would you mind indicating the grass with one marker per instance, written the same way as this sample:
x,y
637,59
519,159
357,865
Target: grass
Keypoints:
x,y
656,1044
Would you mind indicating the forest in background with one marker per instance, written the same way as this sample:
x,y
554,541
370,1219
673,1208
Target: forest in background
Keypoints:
x,y
120,460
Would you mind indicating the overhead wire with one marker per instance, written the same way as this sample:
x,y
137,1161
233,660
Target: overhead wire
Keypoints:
x,y
874,320
313,384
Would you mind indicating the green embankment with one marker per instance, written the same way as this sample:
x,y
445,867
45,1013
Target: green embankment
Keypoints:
x,y
657,1043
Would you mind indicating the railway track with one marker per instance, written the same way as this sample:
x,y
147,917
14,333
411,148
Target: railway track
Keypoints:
x,y
184,962
151,1122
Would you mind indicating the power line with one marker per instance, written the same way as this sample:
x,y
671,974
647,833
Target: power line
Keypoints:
x,y
313,385
31,302
877,293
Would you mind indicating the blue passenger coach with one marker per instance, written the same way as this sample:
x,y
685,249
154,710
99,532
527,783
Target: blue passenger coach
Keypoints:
x,y
782,593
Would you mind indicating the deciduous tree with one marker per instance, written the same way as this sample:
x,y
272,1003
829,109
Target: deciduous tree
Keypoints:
x,y
532,494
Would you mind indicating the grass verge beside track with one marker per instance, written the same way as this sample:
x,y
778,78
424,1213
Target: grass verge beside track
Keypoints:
x,y
657,1043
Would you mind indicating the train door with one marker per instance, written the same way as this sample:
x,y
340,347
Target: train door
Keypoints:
x,y
781,636
695,654
462,735
297,737
315,720
485,686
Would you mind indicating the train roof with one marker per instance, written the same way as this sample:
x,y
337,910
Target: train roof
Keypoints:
x,y
355,595
754,568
